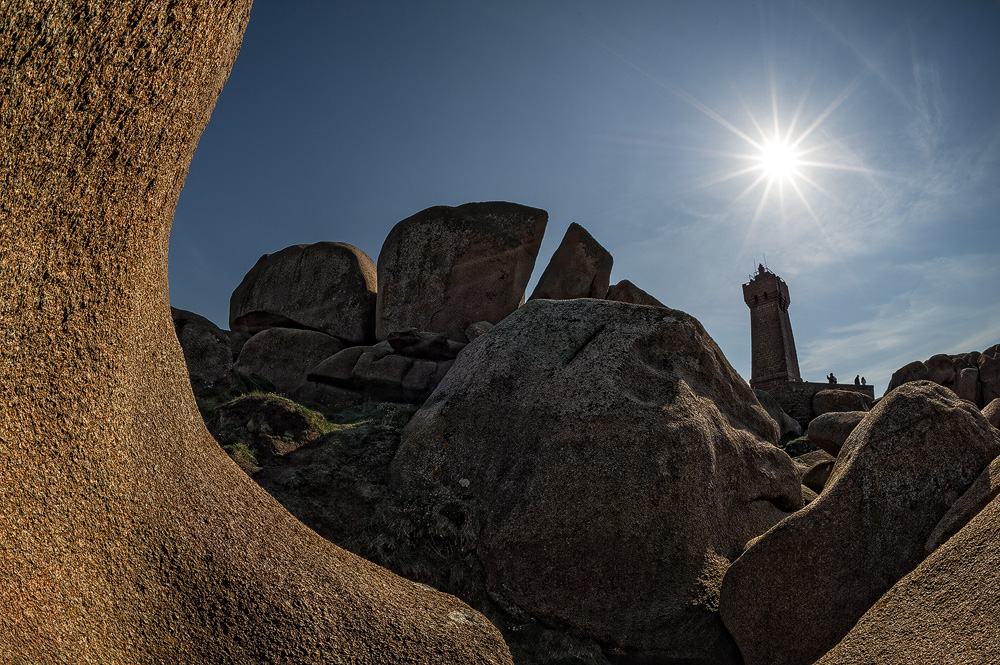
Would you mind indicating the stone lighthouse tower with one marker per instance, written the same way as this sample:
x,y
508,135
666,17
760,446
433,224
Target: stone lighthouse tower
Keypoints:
x,y
772,347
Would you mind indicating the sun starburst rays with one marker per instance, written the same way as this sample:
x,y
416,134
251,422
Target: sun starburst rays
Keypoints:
x,y
779,156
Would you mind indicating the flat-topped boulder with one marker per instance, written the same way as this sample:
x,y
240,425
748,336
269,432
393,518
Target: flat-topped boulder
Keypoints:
x,y
833,401
579,268
445,268
621,463
325,286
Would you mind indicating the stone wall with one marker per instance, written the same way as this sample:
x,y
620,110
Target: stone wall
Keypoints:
x,y
796,397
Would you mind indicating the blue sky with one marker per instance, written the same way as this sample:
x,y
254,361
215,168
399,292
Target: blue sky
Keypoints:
x,y
643,122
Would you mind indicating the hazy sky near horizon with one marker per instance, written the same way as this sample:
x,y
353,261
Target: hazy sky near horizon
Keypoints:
x,y
643,122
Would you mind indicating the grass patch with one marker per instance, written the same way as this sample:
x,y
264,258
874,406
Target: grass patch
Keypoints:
x,y
244,457
796,445
340,487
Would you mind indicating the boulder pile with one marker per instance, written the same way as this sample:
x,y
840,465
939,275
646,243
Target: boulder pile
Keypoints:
x,y
323,325
800,588
973,376
586,469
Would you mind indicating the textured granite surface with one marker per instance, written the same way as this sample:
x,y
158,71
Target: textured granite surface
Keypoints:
x,y
127,535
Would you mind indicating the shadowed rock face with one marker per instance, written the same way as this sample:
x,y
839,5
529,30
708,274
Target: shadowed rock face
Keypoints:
x,y
945,611
326,286
626,466
445,268
800,588
128,536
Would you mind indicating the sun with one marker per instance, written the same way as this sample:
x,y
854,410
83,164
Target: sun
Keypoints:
x,y
779,160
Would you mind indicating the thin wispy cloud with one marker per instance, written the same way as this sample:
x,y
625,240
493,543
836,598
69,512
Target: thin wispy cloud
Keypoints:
x,y
935,316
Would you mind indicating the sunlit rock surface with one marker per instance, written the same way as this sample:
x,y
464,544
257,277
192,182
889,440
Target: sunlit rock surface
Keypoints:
x,y
128,535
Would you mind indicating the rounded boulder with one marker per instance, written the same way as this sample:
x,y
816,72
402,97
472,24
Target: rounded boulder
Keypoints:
x,y
621,464
907,462
326,286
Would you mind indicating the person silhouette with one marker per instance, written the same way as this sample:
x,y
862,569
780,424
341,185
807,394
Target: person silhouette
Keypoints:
x,y
862,380
857,380
831,378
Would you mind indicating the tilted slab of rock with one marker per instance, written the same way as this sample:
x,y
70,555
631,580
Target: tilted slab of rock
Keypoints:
x,y
802,586
326,286
830,430
626,291
621,463
445,268
128,535
945,611
579,268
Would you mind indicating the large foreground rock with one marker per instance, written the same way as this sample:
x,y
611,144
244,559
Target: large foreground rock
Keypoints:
x,y
579,268
945,611
799,589
128,535
326,286
621,464
445,268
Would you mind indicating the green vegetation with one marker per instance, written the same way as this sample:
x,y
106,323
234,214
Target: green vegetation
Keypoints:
x,y
245,458
796,445
339,486
314,418
242,385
